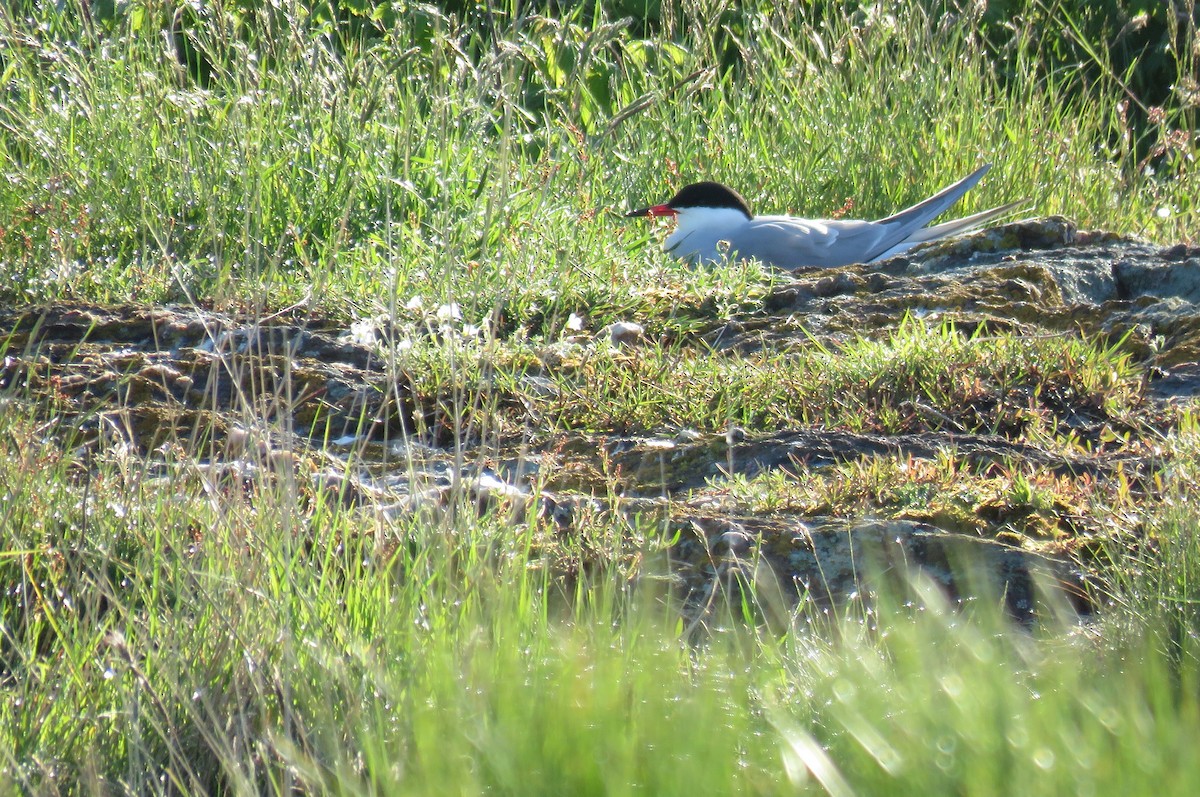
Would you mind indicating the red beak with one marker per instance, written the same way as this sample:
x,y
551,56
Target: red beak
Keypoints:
x,y
653,210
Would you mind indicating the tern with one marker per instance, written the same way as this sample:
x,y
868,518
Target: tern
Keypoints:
x,y
714,223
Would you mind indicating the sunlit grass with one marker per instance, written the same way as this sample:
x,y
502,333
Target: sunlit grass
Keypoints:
x,y
205,639
171,627
329,173
922,376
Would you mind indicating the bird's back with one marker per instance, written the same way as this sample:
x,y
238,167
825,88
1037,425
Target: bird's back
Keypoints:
x,y
713,234
789,242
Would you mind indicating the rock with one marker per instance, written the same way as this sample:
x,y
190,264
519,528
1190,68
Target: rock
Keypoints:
x,y
272,395
622,333
831,562
735,542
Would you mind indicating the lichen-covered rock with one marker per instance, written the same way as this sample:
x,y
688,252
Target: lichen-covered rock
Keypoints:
x,y
253,398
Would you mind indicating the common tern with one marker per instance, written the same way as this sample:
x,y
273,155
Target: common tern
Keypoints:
x,y
714,223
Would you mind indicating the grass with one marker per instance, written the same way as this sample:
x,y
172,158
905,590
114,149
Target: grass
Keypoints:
x,y
395,164
171,626
204,639
922,376
983,384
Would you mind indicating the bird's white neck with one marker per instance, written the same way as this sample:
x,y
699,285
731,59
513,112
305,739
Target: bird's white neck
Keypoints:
x,y
697,231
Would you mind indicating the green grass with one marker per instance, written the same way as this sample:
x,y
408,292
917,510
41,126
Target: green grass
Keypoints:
x,y
205,639
921,376
982,384
166,628
307,170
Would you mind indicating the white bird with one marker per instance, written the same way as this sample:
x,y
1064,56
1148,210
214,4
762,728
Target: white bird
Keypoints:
x,y
714,223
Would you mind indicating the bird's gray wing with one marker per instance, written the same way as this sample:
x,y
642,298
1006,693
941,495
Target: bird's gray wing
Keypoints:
x,y
952,227
903,225
787,242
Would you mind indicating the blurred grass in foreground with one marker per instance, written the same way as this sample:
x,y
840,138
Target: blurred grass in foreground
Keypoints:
x,y
201,639
167,630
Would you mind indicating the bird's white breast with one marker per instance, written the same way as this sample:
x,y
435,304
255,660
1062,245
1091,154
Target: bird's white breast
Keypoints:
x,y
699,231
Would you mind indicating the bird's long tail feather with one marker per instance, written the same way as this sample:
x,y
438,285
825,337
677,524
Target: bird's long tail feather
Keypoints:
x,y
966,223
953,227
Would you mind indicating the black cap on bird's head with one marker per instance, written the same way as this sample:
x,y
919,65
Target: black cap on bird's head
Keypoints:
x,y
707,194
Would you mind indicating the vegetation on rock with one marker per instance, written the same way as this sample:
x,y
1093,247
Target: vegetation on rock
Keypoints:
x,y
324,470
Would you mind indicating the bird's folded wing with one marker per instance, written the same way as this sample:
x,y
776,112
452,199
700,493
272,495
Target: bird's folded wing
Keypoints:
x,y
789,242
